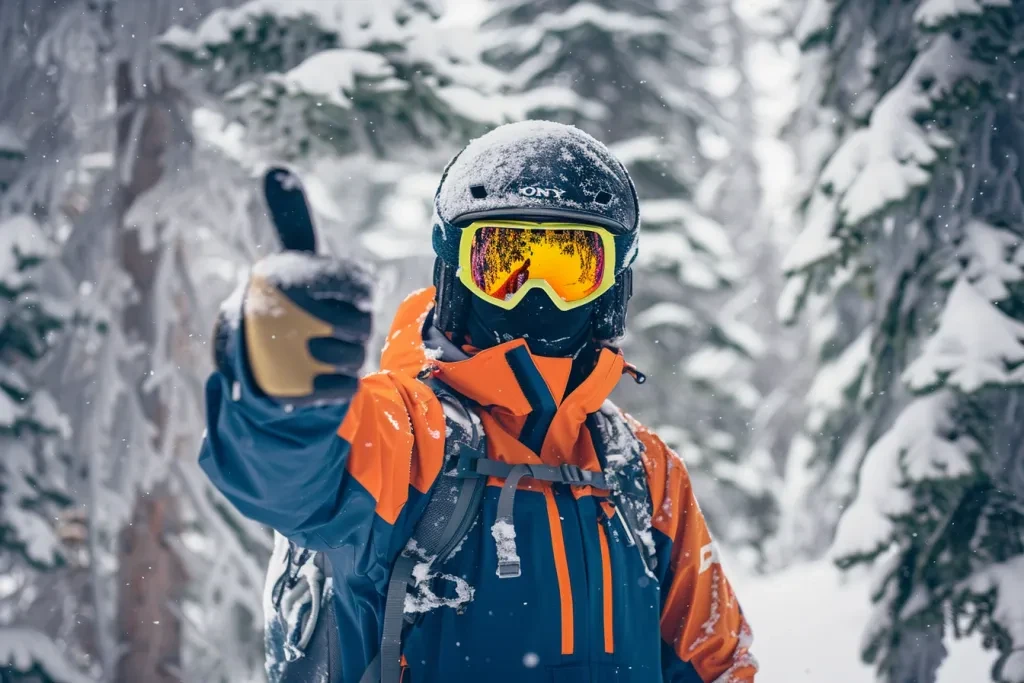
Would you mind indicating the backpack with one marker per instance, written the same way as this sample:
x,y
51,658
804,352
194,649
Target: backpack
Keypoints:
x,y
302,637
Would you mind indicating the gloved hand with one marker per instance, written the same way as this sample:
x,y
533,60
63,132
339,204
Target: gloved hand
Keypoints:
x,y
306,322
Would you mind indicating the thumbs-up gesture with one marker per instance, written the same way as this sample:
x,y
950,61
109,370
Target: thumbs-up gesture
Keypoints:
x,y
306,318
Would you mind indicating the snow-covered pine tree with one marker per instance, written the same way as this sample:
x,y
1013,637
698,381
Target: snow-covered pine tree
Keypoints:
x,y
34,469
763,379
315,77
43,631
920,210
638,71
128,383
824,453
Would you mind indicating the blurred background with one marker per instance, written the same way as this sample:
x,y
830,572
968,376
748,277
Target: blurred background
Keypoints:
x,y
829,300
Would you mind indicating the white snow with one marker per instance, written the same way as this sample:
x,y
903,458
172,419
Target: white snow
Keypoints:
x,y
426,599
516,144
1007,579
45,411
834,379
41,544
641,148
807,623
332,74
21,238
579,14
932,13
23,648
10,141
815,18
883,162
817,241
711,363
974,345
10,412
294,268
231,307
917,444
743,335
218,26
666,313
668,248
791,298
995,259
505,540
703,231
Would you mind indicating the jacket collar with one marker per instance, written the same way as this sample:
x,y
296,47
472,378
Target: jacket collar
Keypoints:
x,y
507,378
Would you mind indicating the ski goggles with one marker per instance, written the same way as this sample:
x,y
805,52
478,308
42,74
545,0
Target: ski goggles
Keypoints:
x,y
500,261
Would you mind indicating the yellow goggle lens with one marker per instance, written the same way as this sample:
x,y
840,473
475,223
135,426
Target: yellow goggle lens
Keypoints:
x,y
501,261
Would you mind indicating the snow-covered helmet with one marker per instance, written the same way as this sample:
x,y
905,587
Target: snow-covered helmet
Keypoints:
x,y
536,171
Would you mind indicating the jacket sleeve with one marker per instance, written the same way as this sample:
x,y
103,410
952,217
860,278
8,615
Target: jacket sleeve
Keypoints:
x,y
705,636
325,476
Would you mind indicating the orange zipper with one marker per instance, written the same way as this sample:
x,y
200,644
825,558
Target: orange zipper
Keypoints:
x,y
606,588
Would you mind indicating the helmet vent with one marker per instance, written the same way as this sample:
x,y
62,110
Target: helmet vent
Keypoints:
x,y
478,191
603,197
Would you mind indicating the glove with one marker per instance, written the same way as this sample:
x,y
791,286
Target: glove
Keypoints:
x,y
306,321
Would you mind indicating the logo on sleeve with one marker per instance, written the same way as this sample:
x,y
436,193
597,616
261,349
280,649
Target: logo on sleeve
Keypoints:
x,y
708,557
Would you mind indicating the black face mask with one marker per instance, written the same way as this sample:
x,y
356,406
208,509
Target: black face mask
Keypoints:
x,y
548,331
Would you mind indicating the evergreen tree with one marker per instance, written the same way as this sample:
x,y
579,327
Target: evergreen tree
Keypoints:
x,y
310,77
914,229
108,135
43,635
34,474
639,74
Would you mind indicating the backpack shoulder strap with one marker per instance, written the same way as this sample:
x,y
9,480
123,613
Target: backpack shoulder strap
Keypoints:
x,y
464,437
620,453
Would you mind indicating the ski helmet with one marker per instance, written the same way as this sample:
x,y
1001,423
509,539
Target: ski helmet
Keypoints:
x,y
537,171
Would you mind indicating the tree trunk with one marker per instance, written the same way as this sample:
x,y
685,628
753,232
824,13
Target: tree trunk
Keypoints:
x,y
151,575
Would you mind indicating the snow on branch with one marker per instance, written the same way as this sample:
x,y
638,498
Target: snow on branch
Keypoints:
x,y
1005,580
836,380
667,313
21,240
815,21
990,258
588,14
933,13
334,74
224,25
886,161
705,233
975,345
26,650
10,142
921,445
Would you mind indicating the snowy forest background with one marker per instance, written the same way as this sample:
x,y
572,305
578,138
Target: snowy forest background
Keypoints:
x,y
830,297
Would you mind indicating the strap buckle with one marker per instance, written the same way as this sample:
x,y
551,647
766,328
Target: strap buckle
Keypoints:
x,y
509,569
572,475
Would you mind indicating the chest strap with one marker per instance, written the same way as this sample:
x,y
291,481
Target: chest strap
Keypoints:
x,y
504,527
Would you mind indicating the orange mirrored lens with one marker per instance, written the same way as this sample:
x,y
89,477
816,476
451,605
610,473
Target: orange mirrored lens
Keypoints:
x,y
504,259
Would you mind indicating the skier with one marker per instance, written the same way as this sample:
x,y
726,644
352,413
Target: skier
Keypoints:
x,y
544,536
